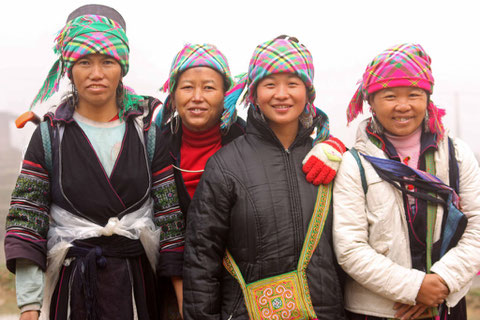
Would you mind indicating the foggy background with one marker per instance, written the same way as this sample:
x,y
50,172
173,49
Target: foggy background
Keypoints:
x,y
343,37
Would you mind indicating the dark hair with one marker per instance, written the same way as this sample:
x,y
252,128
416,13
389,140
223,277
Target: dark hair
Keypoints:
x,y
226,82
284,36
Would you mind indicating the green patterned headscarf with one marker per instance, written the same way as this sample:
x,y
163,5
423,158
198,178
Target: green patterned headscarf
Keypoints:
x,y
84,35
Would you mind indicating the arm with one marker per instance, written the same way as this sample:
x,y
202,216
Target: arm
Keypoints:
x,y
459,265
29,284
167,213
351,240
178,287
27,227
207,228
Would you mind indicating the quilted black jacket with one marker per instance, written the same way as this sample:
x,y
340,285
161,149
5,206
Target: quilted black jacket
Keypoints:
x,y
254,200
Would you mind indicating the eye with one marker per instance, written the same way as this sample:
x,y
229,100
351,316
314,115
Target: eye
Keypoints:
x,y
186,87
389,97
109,61
209,88
83,62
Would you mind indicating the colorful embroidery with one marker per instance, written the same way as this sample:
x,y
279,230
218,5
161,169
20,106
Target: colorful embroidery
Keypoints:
x,y
167,213
28,214
278,298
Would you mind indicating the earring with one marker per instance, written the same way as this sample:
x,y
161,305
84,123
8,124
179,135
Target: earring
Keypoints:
x,y
174,123
376,125
74,95
426,121
306,119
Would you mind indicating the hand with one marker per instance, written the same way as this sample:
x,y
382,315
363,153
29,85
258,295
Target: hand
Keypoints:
x,y
405,311
433,291
29,315
322,162
178,287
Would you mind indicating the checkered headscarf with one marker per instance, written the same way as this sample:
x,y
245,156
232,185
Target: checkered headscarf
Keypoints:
x,y
191,56
405,65
84,35
280,55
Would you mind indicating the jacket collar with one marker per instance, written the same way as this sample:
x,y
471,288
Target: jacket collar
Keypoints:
x,y
428,140
257,126
64,112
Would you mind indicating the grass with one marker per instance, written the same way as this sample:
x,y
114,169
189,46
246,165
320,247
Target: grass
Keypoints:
x,y
8,303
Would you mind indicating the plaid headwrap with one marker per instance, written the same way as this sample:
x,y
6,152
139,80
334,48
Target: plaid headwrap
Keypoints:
x,y
405,65
84,35
280,55
191,56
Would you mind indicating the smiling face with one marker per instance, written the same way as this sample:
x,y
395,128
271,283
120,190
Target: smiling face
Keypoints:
x,y
198,98
96,77
282,98
400,110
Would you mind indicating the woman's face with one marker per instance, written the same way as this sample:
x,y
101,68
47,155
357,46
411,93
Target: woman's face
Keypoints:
x,y
400,110
282,98
96,77
198,98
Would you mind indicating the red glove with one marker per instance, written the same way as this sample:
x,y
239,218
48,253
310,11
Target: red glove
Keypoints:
x,y
322,162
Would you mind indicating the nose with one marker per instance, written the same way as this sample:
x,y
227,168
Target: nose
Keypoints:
x,y
96,71
281,92
403,104
197,94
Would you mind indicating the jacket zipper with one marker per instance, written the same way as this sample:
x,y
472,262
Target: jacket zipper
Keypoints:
x,y
294,205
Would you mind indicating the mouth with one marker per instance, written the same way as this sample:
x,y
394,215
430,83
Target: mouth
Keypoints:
x,y
96,86
402,119
281,107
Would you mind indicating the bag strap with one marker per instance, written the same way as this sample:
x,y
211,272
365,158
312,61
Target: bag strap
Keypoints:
x,y
314,232
355,155
431,210
316,225
151,137
47,145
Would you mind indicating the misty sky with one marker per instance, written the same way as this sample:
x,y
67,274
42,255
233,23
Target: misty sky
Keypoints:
x,y
343,37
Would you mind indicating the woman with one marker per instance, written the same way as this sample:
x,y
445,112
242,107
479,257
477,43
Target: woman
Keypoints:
x,y
253,198
89,188
390,234
195,124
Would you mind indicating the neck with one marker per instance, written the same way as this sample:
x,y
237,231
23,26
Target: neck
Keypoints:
x,y
286,133
102,113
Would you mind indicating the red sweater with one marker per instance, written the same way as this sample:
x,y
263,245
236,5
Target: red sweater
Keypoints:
x,y
196,149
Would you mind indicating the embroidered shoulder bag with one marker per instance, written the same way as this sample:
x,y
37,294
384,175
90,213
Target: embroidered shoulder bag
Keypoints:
x,y
286,296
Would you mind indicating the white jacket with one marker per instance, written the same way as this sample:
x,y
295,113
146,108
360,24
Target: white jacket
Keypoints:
x,y
370,233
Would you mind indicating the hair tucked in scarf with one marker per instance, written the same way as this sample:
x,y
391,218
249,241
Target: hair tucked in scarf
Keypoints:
x,y
405,65
281,55
84,35
191,56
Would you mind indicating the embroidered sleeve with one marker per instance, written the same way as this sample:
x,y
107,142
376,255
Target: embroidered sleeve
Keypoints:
x,y
167,213
27,220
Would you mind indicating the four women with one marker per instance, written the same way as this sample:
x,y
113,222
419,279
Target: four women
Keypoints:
x,y
97,195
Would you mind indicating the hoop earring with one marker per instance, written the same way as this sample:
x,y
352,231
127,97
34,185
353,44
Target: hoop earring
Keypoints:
x,y
306,119
426,121
174,123
74,96
376,125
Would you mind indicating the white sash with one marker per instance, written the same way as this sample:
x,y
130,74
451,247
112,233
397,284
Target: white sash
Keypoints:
x,y
66,227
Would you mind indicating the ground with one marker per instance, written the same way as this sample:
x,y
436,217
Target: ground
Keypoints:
x,y
8,305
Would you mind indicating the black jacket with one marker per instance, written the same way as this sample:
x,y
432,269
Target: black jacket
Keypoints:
x,y
254,200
